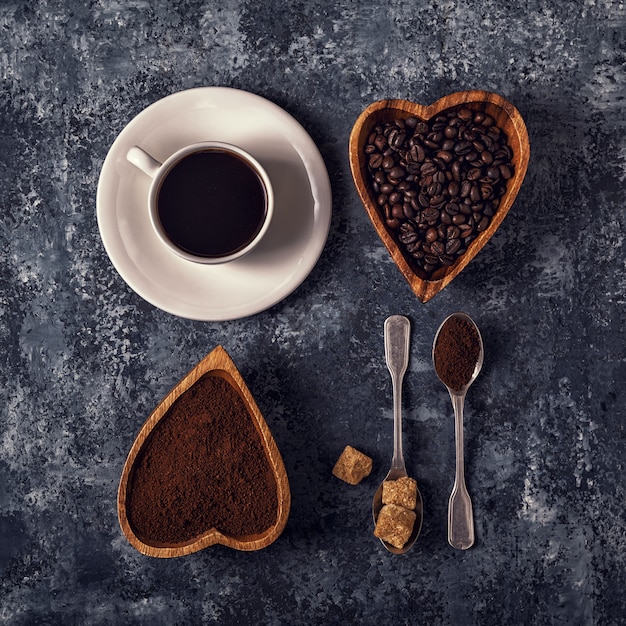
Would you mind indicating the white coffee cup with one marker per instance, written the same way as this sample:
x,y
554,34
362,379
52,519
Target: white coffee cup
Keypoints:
x,y
209,202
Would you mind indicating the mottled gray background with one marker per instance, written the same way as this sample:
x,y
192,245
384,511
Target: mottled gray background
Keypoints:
x,y
83,359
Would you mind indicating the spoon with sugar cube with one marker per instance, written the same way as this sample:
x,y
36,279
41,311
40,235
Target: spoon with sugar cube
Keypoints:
x,y
397,504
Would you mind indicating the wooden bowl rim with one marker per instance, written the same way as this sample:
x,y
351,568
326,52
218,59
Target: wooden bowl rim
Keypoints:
x,y
426,288
218,363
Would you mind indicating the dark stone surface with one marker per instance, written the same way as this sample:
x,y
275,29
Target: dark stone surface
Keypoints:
x,y
83,359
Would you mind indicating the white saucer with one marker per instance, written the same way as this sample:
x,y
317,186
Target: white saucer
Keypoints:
x,y
287,253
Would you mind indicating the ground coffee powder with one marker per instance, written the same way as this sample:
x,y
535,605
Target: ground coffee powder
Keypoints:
x,y
456,352
438,183
203,467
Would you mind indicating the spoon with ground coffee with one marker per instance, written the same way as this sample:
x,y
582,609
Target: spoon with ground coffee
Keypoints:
x,y
458,358
397,332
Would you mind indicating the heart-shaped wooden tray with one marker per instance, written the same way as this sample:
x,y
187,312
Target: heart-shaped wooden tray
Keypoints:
x,y
506,117
217,363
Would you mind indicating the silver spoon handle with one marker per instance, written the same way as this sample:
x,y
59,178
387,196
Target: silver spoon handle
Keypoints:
x,y
397,333
460,514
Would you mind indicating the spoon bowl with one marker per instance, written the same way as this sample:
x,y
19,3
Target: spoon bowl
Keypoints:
x,y
460,513
397,331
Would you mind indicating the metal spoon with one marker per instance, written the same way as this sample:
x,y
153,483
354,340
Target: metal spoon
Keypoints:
x,y
460,514
397,331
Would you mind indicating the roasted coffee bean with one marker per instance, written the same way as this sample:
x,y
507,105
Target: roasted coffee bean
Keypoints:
x,y
438,248
375,161
409,212
414,249
437,136
407,236
396,138
434,189
430,215
428,168
380,142
397,211
397,172
417,153
431,235
438,184
482,225
439,177
493,173
395,197
466,230
474,174
388,163
486,157
462,148
453,232
505,171
479,117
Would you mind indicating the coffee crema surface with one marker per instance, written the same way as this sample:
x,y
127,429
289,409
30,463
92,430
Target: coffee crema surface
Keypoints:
x,y
212,203
437,184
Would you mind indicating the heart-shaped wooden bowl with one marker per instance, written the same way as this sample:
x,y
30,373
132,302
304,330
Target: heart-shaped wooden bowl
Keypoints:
x,y
506,117
217,363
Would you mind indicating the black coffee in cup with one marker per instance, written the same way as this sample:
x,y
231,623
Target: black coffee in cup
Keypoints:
x,y
211,203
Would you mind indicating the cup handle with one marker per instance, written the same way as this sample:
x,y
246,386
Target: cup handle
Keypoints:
x,y
141,159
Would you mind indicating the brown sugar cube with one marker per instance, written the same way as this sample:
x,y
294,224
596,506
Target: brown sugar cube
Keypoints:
x,y
394,525
402,492
352,466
